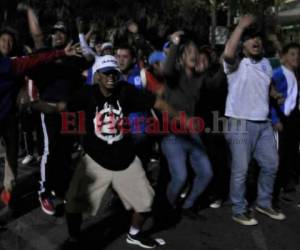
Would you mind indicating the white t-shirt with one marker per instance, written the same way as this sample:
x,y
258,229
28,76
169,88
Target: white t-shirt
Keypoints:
x,y
292,91
248,89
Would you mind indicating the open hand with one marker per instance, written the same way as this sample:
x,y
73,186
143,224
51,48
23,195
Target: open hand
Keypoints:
x,y
79,25
73,50
246,21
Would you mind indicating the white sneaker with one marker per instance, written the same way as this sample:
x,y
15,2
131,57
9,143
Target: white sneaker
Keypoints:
x,y
27,159
216,204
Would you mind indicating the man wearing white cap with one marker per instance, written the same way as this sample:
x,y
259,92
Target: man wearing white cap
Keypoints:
x,y
110,158
107,49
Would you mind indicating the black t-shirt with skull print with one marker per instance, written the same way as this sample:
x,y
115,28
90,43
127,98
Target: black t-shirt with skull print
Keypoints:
x,y
107,139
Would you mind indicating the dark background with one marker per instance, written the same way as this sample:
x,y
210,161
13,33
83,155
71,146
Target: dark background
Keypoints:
x,y
156,18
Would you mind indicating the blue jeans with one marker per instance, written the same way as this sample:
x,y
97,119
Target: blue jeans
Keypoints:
x,y
176,149
249,139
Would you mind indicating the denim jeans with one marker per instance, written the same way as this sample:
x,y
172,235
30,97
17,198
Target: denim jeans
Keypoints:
x,y
249,139
176,149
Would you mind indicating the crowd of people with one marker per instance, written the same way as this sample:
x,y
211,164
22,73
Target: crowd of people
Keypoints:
x,y
207,117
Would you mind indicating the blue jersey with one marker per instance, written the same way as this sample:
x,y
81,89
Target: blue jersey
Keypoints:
x,y
285,83
139,126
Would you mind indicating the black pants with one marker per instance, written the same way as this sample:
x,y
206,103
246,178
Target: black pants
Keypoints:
x,y
289,139
9,132
143,147
218,152
30,123
56,161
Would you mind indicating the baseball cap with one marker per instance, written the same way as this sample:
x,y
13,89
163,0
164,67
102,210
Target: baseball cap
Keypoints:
x,y
60,26
106,45
156,56
106,63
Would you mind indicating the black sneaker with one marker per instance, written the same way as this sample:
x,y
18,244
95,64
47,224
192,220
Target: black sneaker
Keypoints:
x,y
271,212
245,219
141,240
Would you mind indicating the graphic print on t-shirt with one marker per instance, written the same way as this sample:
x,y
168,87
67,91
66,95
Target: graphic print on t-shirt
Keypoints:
x,y
108,123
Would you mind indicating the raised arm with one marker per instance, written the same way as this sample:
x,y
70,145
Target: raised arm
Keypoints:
x,y
139,40
22,64
34,26
234,40
91,31
169,68
86,50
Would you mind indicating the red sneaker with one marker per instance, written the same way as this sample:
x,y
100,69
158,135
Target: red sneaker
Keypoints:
x,y
47,205
5,197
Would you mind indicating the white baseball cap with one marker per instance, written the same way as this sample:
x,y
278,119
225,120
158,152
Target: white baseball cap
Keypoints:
x,y
107,45
105,64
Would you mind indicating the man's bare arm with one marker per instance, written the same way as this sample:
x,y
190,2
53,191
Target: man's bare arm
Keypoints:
x,y
34,26
234,40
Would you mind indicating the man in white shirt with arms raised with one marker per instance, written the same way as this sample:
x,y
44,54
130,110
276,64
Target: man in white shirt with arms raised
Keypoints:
x,y
250,133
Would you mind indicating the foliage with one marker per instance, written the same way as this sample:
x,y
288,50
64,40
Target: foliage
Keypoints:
x,y
158,17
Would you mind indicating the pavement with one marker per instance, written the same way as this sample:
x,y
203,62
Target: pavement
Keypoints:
x,y
28,228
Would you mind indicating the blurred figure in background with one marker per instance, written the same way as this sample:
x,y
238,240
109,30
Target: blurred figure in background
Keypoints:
x,y
211,108
286,122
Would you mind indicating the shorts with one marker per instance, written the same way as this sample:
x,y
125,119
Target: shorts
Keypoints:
x,y
91,181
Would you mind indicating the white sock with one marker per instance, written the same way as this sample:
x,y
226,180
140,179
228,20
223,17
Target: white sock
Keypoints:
x,y
133,230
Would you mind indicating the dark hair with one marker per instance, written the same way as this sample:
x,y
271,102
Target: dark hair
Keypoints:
x,y
289,46
129,48
183,45
206,50
252,31
13,34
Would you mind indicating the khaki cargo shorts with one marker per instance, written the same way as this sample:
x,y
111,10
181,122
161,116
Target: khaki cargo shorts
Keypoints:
x,y
91,181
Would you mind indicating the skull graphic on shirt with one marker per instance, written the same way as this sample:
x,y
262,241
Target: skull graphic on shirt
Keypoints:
x,y
108,123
